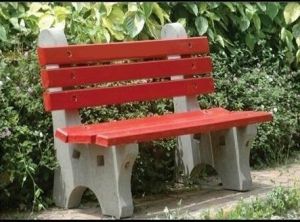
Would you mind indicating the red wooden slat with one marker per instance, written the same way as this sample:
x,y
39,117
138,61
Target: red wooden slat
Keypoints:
x,y
72,76
150,128
119,50
87,133
199,125
73,99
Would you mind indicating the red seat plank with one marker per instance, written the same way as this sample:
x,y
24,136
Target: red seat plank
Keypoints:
x,y
74,99
150,128
72,76
119,50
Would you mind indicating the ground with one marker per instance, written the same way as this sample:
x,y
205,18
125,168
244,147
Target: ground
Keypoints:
x,y
208,196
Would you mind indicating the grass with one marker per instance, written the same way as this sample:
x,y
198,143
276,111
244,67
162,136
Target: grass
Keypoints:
x,y
280,203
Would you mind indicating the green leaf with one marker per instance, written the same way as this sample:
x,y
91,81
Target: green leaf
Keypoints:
x,y
158,11
133,23
230,6
296,30
34,7
117,15
298,41
147,8
256,21
14,22
202,7
287,36
61,13
3,36
182,21
108,7
192,8
46,21
291,12
220,40
132,6
201,25
108,23
250,41
298,56
262,6
154,28
272,10
244,24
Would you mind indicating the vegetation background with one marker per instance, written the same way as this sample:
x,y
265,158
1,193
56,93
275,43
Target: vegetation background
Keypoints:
x,y
256,53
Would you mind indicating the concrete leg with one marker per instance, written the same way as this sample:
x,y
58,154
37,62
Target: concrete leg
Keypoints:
x,y
106,171
231,150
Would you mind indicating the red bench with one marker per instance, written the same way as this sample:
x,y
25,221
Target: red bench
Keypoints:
x,y
91,66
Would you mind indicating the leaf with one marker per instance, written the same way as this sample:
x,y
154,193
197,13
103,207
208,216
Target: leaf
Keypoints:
x,y
46,21
220,40
201,25
250,41
108,6
182,21
202,7
230,6
118,34
157,10
34,7
288,37
134,23
298,41
256,21
298,56
291,12
296,30
244,24
61,13
14,22
262,6
132,7
117,15
3,36
154,28
147,8
272,10
192,8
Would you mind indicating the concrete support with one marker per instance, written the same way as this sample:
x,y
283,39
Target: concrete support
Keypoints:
x,y
106,171
227,151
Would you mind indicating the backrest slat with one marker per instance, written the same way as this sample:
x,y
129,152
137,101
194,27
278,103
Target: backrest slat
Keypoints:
x,y
74,99
74,54
73,76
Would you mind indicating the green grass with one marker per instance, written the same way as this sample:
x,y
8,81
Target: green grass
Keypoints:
x,y
280,203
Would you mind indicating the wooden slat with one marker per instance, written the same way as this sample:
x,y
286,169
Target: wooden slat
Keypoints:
x,y
119,50
87,133
73,99
150,128
72,76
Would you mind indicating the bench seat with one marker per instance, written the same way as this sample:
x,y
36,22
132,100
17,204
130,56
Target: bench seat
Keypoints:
x,y
156,127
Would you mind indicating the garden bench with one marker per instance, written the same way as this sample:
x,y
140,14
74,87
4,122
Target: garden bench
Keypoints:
x,y
100,156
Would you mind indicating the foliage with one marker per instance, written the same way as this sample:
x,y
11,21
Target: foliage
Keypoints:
x,y
277,203
26,138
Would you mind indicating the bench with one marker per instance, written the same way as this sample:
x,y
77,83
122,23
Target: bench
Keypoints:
x,y
100,156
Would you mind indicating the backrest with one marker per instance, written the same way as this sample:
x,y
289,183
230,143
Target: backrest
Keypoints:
x,y
85,70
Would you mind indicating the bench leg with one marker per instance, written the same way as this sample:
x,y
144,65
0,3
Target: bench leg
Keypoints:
x,y
231,150
105,171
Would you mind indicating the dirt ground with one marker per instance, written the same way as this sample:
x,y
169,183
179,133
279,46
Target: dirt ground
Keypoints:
x,y
209,196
